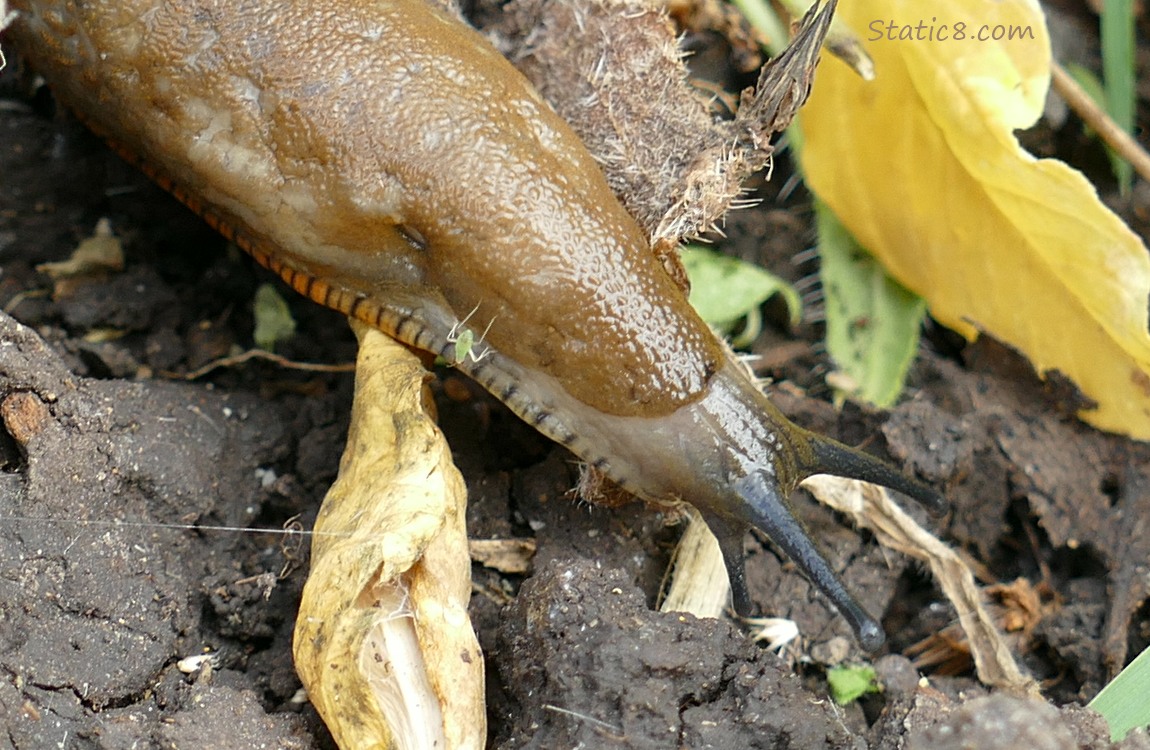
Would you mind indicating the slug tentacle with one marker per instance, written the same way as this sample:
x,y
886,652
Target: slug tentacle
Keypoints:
x,y
832,457
764,509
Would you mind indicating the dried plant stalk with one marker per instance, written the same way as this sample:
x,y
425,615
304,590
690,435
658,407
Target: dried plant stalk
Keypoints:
x,y
872,508
699,582
383,642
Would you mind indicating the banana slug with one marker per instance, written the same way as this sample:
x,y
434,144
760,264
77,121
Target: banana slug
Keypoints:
x,y
386,161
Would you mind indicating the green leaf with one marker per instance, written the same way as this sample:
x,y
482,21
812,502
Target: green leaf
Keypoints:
x,y
725,290
274,322
1123,702
848,684
872,321
1117,34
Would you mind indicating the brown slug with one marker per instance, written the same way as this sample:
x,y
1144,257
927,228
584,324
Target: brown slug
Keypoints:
x,y
386,161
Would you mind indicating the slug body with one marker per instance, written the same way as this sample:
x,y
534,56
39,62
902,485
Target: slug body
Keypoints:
x,y
386,161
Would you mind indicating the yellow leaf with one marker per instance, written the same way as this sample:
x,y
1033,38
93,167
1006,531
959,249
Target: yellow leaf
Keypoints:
x,y
922,166
383,642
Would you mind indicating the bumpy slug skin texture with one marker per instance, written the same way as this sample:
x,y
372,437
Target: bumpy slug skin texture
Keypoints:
x,y
383,642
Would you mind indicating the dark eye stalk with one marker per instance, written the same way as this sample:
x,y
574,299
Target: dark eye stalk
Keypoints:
x,y
761,502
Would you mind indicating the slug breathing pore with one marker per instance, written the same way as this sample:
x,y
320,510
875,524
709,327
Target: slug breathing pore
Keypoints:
x,y
386,161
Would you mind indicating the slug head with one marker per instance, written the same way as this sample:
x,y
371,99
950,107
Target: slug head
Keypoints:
x,y
758,500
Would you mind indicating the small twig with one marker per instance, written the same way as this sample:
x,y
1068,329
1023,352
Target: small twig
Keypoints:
x,y
265,582
250,354
1094,116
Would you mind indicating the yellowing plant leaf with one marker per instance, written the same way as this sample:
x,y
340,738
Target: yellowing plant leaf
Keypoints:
x,y
922,166
383,642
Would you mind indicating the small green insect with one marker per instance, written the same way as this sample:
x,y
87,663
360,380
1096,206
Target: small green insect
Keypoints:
x,y
463,344
465,341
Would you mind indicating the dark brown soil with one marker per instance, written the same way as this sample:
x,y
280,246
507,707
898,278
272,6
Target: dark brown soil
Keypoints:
x,y
143,518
